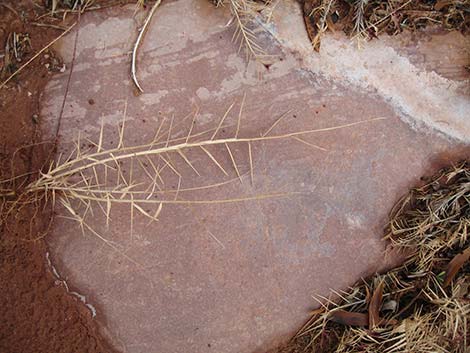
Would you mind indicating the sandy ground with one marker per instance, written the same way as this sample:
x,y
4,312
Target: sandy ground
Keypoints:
x,y
37,312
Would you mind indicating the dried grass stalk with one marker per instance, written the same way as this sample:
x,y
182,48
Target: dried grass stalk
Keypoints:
x,y
101,177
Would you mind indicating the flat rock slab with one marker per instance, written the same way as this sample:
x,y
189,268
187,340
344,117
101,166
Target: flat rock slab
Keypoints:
x,y
238,277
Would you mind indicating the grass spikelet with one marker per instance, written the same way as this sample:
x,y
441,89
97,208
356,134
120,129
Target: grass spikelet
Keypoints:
x,y
245,14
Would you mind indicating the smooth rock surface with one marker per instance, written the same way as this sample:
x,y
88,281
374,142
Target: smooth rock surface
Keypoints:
x,y
238,277
421,75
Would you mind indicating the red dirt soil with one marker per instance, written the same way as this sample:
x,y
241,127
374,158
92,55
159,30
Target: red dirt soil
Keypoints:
x,y
37,312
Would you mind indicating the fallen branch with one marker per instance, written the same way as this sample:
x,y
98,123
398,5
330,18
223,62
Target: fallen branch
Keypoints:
x,y
137,44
